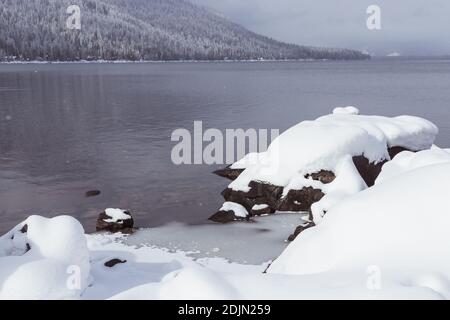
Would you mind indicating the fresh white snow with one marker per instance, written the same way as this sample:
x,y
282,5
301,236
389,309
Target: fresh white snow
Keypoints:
x,y
56,265
399,228
322,144
239,210
116,215
260,207
389,241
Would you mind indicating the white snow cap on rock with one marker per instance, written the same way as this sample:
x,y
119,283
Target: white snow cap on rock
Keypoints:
x,y
322,144
400,226
116,215
239,210
346,110
47,259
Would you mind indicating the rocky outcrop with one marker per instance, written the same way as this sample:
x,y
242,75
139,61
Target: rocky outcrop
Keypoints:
x,y
115,220
268,198
300,200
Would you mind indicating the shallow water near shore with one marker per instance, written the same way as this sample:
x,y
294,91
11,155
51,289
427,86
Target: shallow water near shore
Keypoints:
x,y
69,128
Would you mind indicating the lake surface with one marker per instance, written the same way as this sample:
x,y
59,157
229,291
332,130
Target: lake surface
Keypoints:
x,y
69,128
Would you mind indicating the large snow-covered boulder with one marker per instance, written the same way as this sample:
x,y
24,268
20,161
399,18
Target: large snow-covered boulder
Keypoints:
x,y
400,226
324,161
44,258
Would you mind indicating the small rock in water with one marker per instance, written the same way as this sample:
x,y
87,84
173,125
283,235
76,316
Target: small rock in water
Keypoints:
x,y
115,220
111,263
229,173
92,193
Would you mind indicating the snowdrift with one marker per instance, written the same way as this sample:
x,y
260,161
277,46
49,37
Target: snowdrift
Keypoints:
x,y
44,259
399,226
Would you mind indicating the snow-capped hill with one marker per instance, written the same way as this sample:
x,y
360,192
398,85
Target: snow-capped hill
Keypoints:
x,y
137,30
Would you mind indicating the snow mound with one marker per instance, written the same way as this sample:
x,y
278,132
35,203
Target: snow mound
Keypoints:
x,y
208,286
388,227
322,144
44,259
407,161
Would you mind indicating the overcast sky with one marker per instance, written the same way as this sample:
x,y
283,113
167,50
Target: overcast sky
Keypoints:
x,y
409,27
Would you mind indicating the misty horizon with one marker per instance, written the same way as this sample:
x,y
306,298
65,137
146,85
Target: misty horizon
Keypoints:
x,y
413,28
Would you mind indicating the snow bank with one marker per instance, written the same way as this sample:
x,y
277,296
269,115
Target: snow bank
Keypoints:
x,y
44,259
407,161
398,227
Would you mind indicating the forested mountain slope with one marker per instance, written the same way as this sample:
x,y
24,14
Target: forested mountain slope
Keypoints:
x,y
137,30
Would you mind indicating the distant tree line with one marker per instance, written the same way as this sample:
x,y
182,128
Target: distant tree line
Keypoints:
x,y
137,30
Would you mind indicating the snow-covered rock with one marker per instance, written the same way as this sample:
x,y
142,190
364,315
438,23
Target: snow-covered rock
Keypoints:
x,y
315,164
230,211
115,220
398,227
44,259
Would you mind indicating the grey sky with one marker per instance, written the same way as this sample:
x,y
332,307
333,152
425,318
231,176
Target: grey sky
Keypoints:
x,y
410,27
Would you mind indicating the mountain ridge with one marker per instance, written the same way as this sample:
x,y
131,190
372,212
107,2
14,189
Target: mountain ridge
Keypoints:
x,y
153,30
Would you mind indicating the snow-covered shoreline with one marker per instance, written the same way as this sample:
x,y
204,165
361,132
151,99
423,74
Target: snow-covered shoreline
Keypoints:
x,y
159,61
386,241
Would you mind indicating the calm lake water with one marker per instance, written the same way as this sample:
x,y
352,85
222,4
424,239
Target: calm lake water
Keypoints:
x,y
69,128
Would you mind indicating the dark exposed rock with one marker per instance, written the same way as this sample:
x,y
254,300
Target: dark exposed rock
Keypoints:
x,y
24,229
111,263
28,247
300,229
124,226
324,176
259,193
226,217
240,197
369,171
300,200
92,193
393,151
229,173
